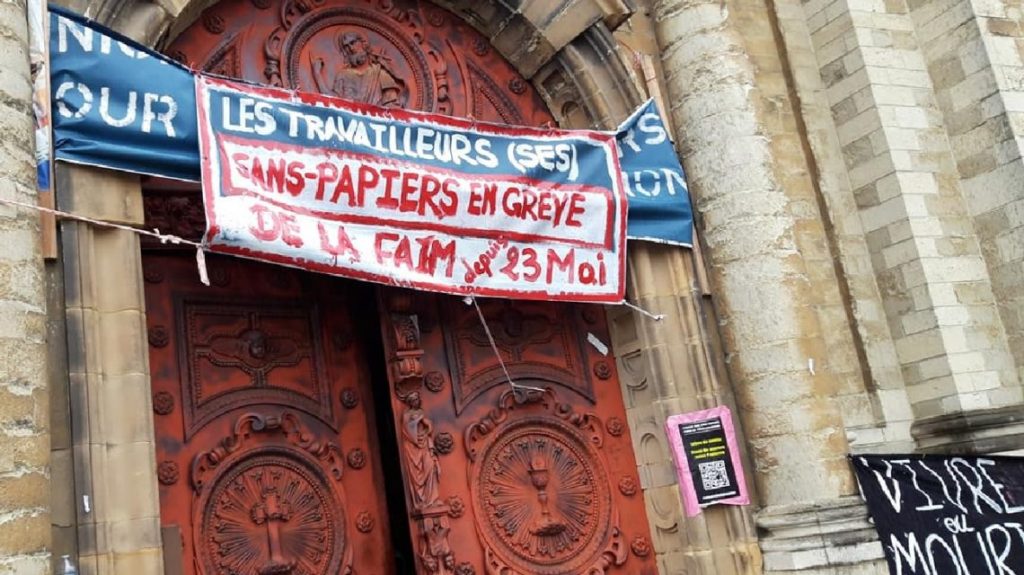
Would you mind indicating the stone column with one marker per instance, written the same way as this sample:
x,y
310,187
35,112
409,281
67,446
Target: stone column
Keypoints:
x,y
24,425
769,256
972,51
108,364
668,367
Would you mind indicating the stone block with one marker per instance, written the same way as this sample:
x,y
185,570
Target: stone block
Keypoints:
x,y
132,535
142,562
918,346
24,452
932,390
24,491
25,533
966,402
38,564
871,170
116,271
561,22
125,404
120,202
884,214
62,492
129,469
124,340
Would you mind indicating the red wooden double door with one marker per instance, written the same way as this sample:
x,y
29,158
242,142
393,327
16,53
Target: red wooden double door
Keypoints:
x,y
309,425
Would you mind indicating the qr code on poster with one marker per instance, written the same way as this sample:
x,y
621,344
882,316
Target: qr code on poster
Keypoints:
x,y
713,475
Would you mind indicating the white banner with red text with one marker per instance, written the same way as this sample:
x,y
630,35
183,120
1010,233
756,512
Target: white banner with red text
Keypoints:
x,y
411,199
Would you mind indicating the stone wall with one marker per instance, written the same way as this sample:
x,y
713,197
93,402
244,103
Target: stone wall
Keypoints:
x,y
784,306
973,55
24,410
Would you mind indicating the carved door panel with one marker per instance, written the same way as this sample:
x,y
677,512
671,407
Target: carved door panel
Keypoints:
x,y
496,483
513,483
263,414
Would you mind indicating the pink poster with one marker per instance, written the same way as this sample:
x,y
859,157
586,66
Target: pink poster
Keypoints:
x,y
707,459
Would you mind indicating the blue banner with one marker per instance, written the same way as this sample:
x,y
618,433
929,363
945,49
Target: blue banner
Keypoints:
x,y
119,105
659,200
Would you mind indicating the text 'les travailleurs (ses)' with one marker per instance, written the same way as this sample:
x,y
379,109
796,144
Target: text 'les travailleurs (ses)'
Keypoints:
x,y
408,198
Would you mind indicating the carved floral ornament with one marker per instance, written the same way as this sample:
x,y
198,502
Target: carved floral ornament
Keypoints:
x,y
286,424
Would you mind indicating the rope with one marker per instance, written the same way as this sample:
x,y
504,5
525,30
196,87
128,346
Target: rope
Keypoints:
x,y
155,233
201,264
642,311
516,388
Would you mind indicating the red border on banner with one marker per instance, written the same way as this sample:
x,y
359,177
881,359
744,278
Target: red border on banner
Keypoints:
x,y
273,146
205,83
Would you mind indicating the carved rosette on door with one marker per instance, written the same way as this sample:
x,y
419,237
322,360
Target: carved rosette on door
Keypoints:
x,y
540,488
268,508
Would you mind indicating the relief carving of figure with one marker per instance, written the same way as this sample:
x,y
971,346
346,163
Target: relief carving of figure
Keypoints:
x,y
361,76
420,454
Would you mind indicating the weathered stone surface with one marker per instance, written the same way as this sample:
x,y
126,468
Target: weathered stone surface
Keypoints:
x,y
24,441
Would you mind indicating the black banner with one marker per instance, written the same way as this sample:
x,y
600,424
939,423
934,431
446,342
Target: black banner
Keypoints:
x,y
709,459
942,515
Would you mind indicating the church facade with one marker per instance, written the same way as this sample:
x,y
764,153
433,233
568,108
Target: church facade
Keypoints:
x,y
855,287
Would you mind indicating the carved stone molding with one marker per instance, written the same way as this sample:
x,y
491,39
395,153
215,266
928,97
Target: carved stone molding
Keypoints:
x,y
255,351
615,426
218,273
423,470
444,443
456,508
379,56
152,275
158,336
342,339
979,431
628,486
286,424
536,341
476,434
641,546
406,359
435,552
434,381
821,534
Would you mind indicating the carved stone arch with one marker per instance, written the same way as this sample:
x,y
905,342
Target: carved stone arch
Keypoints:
x,y
583,84
579,74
